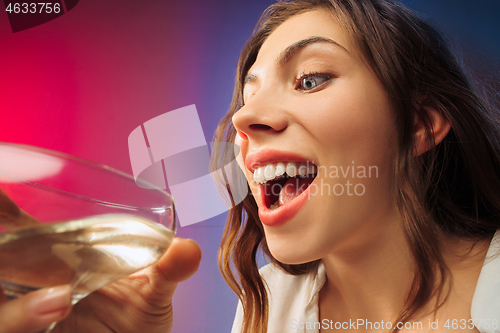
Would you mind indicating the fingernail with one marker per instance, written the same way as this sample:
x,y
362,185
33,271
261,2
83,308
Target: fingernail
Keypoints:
x,y
51,300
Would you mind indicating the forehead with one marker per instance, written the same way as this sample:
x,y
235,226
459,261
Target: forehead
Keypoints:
x,y
316,23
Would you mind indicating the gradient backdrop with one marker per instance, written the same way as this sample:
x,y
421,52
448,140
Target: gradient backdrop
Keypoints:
x,y
82,82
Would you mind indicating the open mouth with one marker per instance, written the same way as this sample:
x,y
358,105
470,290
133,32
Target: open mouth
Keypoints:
x,y
280,184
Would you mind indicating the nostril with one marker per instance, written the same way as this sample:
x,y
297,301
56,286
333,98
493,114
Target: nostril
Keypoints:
x,y
260,127
242,135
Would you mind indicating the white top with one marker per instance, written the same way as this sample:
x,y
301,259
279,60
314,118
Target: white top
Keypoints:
x,y
293,300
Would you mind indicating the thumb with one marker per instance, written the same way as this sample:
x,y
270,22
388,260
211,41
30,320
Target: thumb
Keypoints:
x,y
179,262
35,311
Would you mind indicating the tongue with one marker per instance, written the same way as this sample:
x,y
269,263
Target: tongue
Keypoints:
x,y
293,188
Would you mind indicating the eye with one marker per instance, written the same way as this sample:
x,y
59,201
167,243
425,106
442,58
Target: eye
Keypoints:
x,y
312,80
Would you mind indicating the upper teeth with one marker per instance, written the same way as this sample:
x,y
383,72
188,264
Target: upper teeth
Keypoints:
x,y
271,171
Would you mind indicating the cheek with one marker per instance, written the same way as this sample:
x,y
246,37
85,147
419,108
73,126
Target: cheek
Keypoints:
x,y
240,151
353,118
242,147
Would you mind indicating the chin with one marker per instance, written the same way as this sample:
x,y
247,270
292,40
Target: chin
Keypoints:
x,y
293,261
291,256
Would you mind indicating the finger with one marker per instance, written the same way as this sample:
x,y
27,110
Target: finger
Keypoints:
x,y
11,216
180,262
35,311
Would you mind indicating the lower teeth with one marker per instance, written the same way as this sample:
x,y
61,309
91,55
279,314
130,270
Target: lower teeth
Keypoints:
x,y
275,205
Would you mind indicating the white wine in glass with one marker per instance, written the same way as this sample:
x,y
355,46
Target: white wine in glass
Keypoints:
x,y
87,254
65,220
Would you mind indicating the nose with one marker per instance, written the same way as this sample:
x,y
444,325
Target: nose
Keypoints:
x,y
260,117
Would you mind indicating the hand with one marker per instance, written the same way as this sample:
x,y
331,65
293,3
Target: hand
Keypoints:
x,y
141,302
35,311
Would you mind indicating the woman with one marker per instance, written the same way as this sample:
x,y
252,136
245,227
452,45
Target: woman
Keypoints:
x,y
332,90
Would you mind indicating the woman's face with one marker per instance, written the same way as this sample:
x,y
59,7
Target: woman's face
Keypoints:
x,y
310,99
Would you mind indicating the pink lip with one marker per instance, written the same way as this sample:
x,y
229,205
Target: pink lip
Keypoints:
x,y
266,156
282,214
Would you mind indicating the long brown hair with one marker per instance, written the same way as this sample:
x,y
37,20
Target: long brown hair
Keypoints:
x,y
452,189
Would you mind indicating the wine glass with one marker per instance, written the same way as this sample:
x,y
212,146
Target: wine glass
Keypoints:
x,y
65,220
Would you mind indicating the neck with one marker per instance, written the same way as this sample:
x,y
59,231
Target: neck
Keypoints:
x,y
372,281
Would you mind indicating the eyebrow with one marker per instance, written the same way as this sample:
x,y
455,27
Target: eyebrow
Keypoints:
x,y
291,50
249,78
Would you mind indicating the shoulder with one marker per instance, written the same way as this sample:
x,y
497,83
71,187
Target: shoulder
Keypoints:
x,y
285,287
292,298
277,279
486,300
